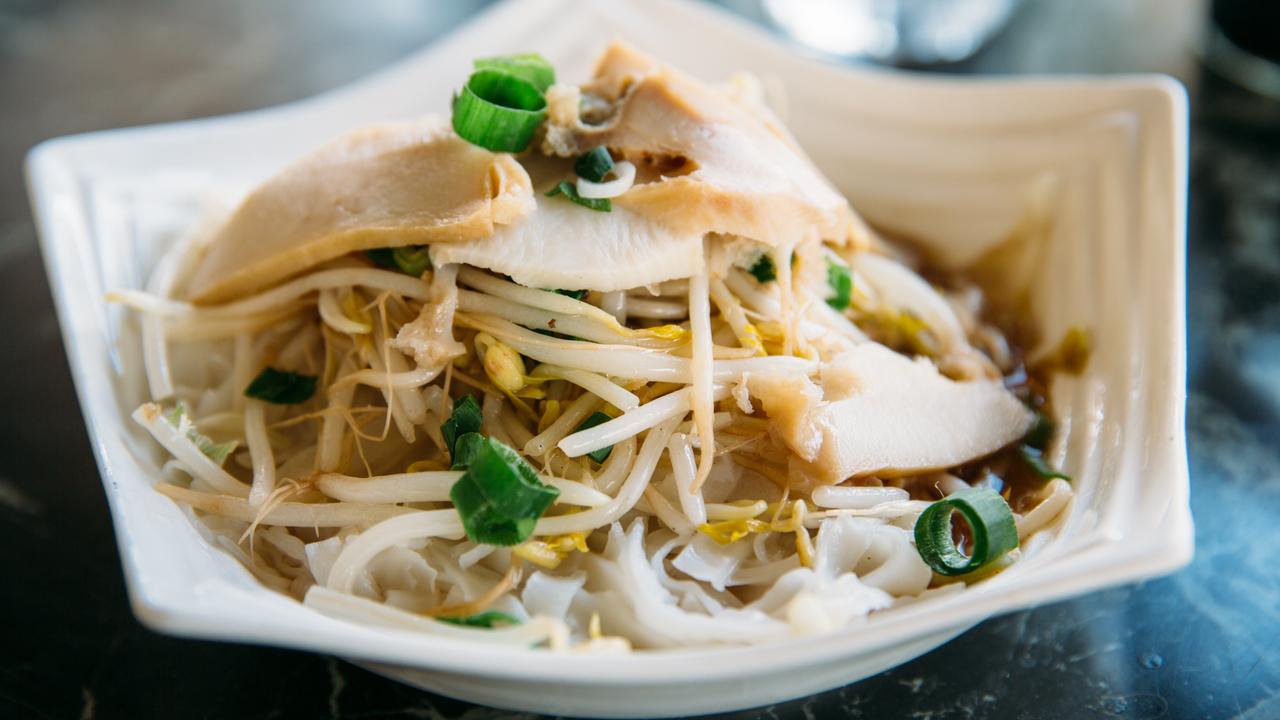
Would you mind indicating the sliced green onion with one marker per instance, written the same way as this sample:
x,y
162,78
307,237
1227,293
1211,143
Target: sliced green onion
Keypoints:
x,y
991,525
530,67
383,257
482,523
575,294
593,165
281,387
841,282
409,259
763,269
1035,460
412,259
498,111
465,448
567,189
488,619
596,418
500,497
1040,434
466,418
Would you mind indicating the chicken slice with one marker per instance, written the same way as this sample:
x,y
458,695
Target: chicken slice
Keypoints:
x,y
901,416
387,185
707,162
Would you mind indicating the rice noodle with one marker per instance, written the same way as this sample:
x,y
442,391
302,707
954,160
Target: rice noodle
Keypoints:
x,y
411,526
1057,496
344,606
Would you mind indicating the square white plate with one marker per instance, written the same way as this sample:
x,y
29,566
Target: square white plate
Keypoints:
x,y
951,162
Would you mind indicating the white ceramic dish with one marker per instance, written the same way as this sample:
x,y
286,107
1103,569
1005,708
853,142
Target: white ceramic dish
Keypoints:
x,y
948,161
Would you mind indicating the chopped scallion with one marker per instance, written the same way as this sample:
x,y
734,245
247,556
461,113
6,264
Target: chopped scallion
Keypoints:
x,y
465,448
488,619
575,294
596,418
763,269
841,282
281,387
530,67
566,188
466,418
992,530
409,259
498,111
500,497
594,165
1034,459
1040,434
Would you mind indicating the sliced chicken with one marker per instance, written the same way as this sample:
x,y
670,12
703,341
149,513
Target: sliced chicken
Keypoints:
x,y
388,185
903,417
429,338
566,246
707,161
790,401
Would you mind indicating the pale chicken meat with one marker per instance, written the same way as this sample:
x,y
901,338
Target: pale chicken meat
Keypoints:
x,y
900,416
562,245
790,402
388,185
429,338
708,162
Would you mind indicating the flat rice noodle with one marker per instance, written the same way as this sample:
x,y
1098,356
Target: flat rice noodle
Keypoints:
x,y
382,186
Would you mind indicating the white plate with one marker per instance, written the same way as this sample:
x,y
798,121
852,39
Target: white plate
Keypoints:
x,y
950,161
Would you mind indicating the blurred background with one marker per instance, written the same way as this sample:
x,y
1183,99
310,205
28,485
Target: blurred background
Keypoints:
x,y
1202,643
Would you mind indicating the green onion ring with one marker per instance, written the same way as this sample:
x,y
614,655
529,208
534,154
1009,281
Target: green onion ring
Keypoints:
x,y
990,520
594,165
498,111
530,67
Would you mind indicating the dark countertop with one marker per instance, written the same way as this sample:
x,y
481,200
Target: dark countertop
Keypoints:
x,y
1204,642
